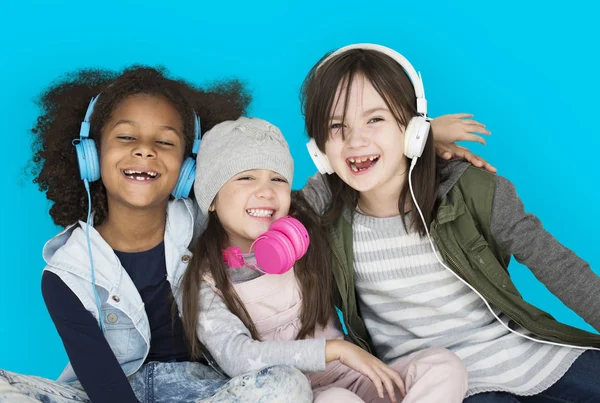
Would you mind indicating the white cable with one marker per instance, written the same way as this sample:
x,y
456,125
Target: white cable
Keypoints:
x,y
412,193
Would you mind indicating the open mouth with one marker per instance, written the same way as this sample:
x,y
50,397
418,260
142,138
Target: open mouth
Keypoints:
x,y
140,175
260,213
361,164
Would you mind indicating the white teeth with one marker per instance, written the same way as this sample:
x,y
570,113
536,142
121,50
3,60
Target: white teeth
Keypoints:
x,y
151,174
260,212
352,160
354,168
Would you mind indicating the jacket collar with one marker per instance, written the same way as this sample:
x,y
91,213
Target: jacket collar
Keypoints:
x,y
69,250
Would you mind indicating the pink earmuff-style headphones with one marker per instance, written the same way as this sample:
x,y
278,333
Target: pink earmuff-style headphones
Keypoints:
x,y
277,250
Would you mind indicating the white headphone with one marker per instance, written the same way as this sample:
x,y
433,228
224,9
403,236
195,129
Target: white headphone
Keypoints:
x,y
415,137
417,130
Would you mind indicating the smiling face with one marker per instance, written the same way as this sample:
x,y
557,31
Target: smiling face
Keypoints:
x,y
249,202
141,152
366,143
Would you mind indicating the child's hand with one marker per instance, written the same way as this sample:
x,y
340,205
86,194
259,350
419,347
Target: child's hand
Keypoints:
x,y
449,129
450,151
458,127
359,360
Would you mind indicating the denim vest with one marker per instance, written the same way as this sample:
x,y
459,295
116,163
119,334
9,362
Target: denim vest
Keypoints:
x,y
126,325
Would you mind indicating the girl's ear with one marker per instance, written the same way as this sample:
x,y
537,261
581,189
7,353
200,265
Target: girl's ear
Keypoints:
x,y
211,208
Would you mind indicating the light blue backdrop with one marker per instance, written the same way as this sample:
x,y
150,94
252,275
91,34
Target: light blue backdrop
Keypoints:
x,y
528,69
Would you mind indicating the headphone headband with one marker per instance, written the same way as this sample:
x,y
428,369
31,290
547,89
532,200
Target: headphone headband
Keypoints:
x,y
413,75
196,145
417,129
84,131
89,167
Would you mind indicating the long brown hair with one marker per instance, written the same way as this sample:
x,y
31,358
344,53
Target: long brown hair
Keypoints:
x,y
313,272
391,82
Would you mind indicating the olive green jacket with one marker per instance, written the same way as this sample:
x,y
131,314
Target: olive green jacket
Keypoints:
x,y
462,229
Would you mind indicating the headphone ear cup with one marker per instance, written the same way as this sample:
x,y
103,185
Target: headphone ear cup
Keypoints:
x,y
321,161
87,159
274,253
415,136
295,232
187,175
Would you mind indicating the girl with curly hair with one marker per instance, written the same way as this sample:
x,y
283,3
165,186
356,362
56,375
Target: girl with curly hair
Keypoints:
x,y
111,283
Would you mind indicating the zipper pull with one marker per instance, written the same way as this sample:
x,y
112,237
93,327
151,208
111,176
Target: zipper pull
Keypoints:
x,y
341,317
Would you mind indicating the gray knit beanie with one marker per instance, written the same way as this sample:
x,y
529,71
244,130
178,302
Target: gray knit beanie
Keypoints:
x,y
235,146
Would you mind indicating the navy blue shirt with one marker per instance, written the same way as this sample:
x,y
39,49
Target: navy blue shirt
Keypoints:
x,y
92,359
148,270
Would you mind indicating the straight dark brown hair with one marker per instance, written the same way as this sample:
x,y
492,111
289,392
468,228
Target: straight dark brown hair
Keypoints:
x,y
313,272
319,100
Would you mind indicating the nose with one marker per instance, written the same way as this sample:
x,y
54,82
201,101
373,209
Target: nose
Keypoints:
x,y
266,191
144,150
357,137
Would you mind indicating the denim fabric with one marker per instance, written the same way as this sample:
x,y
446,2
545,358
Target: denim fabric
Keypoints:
x,y
492,397
270,384
17,388
578,385
67,256
175,382
161,382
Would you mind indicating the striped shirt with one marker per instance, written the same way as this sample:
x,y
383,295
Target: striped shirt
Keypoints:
x,y
409,302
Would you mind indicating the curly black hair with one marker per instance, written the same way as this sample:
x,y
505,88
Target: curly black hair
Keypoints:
x,y
64,105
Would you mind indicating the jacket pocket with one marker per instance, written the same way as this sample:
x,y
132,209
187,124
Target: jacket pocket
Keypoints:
x,y
118,330
481,256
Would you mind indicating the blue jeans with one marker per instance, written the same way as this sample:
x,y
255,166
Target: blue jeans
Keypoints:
x,y
580,384
160,382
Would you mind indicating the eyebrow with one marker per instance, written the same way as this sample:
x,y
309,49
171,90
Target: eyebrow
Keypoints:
x,y
367,112
133,123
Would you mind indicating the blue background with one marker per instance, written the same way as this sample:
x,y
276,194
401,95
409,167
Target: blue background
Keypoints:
x,y
527,69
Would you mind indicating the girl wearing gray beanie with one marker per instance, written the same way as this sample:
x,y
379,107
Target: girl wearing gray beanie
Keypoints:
x,y
248,318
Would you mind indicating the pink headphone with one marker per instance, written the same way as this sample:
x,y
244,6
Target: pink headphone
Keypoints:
x,y
277,250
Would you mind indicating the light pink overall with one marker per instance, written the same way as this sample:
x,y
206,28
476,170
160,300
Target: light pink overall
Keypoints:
x,y
431,375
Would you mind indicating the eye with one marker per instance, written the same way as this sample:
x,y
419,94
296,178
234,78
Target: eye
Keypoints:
x,y
336,129
376,119
279,179
165,143
126,138
245,178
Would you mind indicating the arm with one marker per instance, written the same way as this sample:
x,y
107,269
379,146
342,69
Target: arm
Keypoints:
x,y
92,359
565,274
232,346
317,193
236,352
448,129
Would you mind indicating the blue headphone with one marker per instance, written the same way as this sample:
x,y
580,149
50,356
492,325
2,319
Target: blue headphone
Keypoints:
x,y
89,166
89,170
